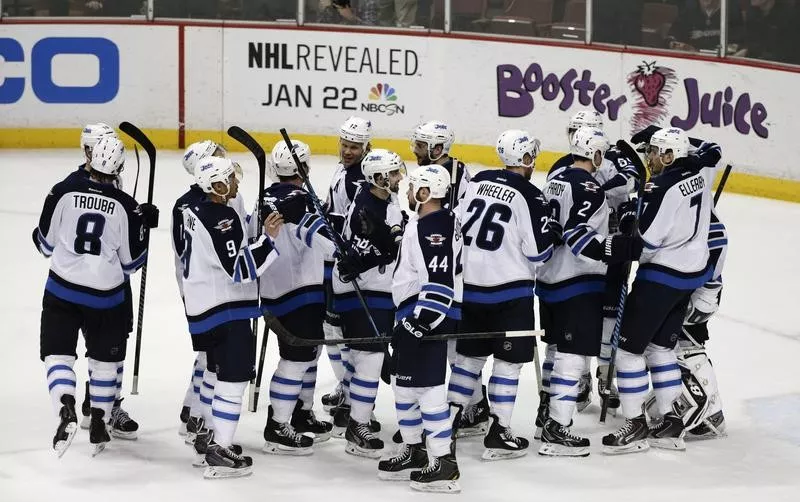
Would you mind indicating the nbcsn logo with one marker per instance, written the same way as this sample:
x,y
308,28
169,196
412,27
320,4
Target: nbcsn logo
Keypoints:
x,y
382,99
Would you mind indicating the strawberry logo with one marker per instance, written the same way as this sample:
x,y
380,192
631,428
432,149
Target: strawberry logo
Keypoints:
x,y
649,82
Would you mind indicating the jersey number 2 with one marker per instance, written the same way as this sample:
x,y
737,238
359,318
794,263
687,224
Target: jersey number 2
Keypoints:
x,y
89,230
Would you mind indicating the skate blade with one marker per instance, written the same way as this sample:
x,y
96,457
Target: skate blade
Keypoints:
x,y
450,486
558,450
705,437
321,438
97,448
182,430
404,475
219,472
537,435
352,449
85,421
582,405
279,449
478,430
635,447
677,444
338,432
492,454
61,446
199,460
129,436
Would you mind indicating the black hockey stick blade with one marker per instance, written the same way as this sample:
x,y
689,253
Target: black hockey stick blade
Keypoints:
x,y
247,140
141,138
138,165
722,182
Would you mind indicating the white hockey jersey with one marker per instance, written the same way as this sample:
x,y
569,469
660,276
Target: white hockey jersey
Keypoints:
x,y
579,205
295,278
676,219
219,267
427,282
504,223
94,235
376,281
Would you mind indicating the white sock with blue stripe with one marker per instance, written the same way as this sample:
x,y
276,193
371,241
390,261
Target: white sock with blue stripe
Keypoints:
x,y
198,370
605,344
477,392
567,371
335,357
348,375
226,408
632,382
465,376
364,383
665,374
436,420
547,366
207,397
309,384
409,416
102,386
120,372
284,388
60,378
503,390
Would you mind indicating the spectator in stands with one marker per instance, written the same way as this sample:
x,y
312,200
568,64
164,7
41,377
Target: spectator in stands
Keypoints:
x,y
342,12
697,27
771,30
405,12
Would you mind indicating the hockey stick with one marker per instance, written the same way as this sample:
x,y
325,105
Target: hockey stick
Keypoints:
x,y
722,182
287,336
141,138
251,144
136,181
339,245
453,177
627,150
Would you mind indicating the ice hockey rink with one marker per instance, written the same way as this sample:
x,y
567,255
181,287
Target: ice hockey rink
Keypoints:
x,y
755,343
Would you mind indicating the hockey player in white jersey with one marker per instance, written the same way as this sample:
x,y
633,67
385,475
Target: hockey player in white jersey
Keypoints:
x,y
427,291
94,235
372,232
571,285
504,221
196,410
674,228
121,426
295,295
617,177
220,297
355,135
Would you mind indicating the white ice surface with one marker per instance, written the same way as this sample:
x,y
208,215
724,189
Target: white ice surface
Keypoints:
x,y
755,344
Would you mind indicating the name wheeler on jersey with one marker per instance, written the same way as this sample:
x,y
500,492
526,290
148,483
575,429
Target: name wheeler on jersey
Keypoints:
x,y
504,222
94,234
376,281
578,204
675,221
219,268
427,281
296,276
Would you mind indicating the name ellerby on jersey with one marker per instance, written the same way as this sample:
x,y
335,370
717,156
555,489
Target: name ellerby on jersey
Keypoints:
x,y
497,191
692,185
97,203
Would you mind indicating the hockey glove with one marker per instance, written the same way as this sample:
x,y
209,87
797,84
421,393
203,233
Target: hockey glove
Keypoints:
x,y
622,248
557,230
332,326
409,332
349,266
627,217
644,135
293,207
149,214
703,304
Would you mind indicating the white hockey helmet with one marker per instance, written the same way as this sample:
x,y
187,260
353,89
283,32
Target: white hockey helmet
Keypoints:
x,y
585,118
356,130
671,139
108,156
512,145
587,141
212,170
92,133
380,161
432,133
433,177
198,151
282,161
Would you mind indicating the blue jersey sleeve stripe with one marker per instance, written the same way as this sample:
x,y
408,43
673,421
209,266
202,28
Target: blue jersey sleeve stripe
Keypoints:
x,y
544,256
438,288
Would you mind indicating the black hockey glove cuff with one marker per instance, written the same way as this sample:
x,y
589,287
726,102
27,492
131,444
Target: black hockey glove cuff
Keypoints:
x,y
149,214
627,217
622,248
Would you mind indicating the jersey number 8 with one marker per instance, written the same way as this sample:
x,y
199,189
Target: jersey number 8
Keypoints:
x,y
89,230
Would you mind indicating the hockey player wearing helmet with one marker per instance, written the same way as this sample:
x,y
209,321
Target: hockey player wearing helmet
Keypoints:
x,y
427,291
431,143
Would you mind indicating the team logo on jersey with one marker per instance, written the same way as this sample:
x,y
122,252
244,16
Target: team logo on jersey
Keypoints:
x,y
507,346
436,239
224,225
590,186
